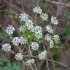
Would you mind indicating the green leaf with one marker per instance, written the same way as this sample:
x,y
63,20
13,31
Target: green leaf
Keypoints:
x,y
4,36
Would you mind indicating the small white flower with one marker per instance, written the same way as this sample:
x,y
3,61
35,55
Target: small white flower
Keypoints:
x,y
24,17
38,32
15,41
34,45
56,39
44,16
54,20
29,25
30,61
48,37
23,40
37,10
42,55
51,44
30,21
38,35
6,47
38,29
22,28
49,29
10,29
19,56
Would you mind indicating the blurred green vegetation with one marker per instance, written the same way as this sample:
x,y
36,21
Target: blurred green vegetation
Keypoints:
x,y
56,53
7,65
10,66
4,36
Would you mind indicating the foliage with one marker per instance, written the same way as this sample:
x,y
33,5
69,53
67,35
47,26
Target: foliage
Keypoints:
x,y
66,31
10,66
4,36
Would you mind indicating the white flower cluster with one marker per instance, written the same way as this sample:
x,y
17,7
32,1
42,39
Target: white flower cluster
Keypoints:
x,y
37,10
51,44
44,16
34,45
38,32
10,29
19,56
54,20
49,29
23,40
29,25
56,38
42,55
22,28
30,61
6,47
24,17
28,22
48,37
17,40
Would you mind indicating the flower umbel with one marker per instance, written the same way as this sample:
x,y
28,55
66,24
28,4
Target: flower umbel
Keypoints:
x,y
48,37
37,10
54,20
44,16
42,55
29,25
23,40
24,17
49,29
6,47
56,39
15,41
34,45
19,56
10,29
38,32
30,61
51,44
22,28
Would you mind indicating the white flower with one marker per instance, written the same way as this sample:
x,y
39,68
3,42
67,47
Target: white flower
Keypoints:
x,y
38,32
30,61
51,44
29,25
49,29
44,16
23,40
15,41
19,56
24,17
10,29
38,29
22,28
42,55
30,21
48,37
6,47
37,10
38,35
54,20
34,45
56,39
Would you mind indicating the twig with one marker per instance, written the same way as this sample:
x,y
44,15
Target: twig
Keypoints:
x,y
12,5
48,60
58,3
22,5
